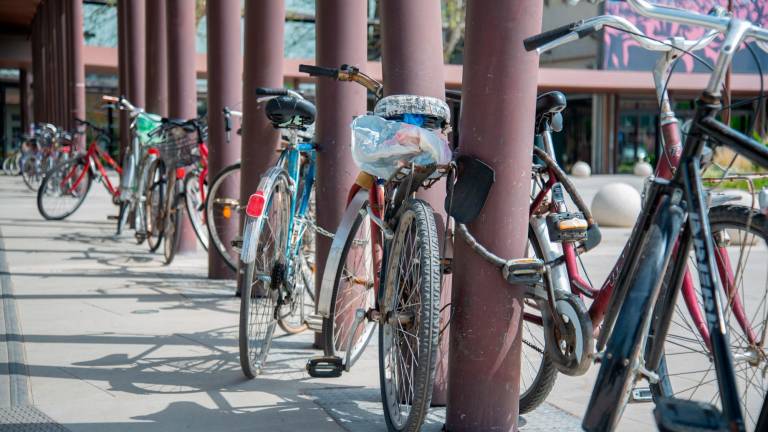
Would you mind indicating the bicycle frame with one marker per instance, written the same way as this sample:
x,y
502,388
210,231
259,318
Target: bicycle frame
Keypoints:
x,y
94,156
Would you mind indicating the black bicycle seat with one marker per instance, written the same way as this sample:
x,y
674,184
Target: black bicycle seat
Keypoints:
x,y
548,104
288,111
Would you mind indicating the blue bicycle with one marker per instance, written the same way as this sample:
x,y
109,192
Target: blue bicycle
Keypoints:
x,y
276,278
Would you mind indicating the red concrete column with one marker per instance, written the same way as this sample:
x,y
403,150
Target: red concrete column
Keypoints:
x,y
498,107
26,96
122,66
262,67
182,81
77,67
412,63
156,89
341,39
225,71
135,54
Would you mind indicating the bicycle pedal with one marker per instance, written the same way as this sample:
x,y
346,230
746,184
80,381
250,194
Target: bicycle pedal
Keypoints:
x,y
315,323
567,227
641,395
325,367
524,271
677,415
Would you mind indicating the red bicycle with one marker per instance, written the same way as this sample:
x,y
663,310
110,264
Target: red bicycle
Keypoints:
x,y
65,187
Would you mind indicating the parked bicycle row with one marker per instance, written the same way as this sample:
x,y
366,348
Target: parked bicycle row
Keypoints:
x,y
680,321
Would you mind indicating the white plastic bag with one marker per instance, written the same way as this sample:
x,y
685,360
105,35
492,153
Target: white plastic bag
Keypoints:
x,y
380,146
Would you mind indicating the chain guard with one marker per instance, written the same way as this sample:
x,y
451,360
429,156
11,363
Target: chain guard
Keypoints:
x,y
571,347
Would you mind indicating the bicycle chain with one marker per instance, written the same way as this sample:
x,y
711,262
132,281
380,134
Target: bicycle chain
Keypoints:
x,y
535,348
317,228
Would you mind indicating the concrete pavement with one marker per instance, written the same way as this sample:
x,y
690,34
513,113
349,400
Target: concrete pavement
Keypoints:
x,y
115,341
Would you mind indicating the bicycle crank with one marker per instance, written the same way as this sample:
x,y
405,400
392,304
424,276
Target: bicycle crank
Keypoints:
x,y
569,342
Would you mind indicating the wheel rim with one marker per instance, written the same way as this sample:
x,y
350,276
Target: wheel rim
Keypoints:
x,y
293,314
154,203
195,209
64,189
690,370
355,291
262,317
223,215
401,328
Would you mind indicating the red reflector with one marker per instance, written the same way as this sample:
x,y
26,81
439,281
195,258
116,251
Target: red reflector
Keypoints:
x,y
180,173
255,205
154,151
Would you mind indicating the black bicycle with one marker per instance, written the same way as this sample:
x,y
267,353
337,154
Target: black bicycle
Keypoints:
x,y
674,221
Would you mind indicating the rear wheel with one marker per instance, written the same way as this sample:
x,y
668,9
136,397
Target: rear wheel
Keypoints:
x,y
408,336
688,372
172,220
195,206
263,279
223,213
156,191
63,189
31,172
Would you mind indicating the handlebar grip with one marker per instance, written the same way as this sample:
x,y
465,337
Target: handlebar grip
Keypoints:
x,y
107,98
266,91
319,71
540,39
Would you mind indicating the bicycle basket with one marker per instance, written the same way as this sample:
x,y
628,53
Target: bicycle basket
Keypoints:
x,y
381,147
179,148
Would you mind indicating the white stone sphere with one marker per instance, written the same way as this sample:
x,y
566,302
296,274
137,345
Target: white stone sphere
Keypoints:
x,y
581,169
616,205
643,169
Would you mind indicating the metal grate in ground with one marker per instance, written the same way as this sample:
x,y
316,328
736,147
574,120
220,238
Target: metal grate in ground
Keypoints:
x,y
359,410
27,419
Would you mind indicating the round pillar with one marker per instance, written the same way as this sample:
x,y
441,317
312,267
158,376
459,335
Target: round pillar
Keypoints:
x,y
499,81
182,81
77,67
225,70
156,67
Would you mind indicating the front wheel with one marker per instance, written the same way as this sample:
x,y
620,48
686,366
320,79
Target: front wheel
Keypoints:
x,y
64,188
172,222
193,202
688,371
31,172
154,203
410,324
223,213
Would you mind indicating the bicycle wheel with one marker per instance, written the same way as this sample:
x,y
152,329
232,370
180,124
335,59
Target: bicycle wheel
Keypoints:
x,y
741,253
122,216
64,188
537,373
408,337
7,165
31,173
350,269
156,191
195,206
172,220
263,280
223,213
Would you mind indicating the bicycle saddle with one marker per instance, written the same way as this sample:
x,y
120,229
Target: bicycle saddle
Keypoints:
x,y
549,103
289,111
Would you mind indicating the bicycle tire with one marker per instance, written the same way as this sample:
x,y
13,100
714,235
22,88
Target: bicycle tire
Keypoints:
x,y
262,283
293,321
680,348
195,209
223,214
30,173
337,326
546,373
416,222
613,385
172,222
50,187
156,191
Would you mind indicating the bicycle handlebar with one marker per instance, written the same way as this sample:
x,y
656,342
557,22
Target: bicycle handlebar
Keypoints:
x,y
228,113
346,73
122,103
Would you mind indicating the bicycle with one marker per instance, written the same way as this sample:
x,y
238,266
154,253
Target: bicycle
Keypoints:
x,y
276,280
12,163
384,267
135,165
224,211
65,187
43,154
675,218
